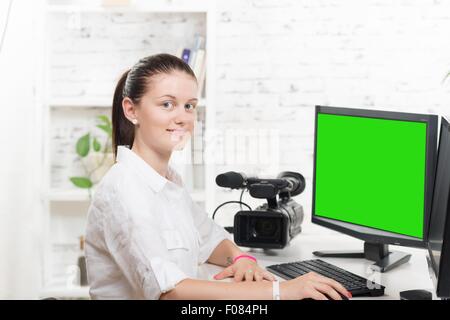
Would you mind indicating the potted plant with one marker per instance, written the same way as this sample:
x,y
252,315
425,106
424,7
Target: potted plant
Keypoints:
x,y
95,157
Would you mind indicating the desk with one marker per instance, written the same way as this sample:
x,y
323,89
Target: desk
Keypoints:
x,y
411,275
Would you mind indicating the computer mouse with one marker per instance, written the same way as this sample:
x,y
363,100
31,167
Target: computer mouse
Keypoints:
x,y
416,295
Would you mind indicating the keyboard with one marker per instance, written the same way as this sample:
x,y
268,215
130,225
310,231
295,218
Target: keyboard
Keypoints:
x,y
358,286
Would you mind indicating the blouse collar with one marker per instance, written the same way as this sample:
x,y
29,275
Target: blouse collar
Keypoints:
x,y
130,159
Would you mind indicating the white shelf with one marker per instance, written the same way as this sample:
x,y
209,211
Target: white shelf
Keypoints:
x,y
93,103
78,195
61,291
67,195
79,103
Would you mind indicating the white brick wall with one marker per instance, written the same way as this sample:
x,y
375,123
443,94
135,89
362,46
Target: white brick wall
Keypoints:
x,y
90,51
277,59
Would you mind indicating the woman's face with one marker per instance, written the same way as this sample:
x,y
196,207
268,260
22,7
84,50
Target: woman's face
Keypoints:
x,y
167,112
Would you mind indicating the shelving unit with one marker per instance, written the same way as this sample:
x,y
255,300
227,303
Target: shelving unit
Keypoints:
x,y
68,116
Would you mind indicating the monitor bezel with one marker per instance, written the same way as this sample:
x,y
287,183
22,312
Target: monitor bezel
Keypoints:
x,y
372,234
441,280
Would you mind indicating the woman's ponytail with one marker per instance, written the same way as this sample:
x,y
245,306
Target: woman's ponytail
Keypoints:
x,y
123,129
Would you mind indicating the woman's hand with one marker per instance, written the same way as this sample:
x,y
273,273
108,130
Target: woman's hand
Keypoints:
x,y
312,285
245,270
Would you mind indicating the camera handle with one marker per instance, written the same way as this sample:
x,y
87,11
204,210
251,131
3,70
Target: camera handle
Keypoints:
x,y
272,203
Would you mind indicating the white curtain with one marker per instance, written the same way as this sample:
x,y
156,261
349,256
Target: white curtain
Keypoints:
x,y
20,223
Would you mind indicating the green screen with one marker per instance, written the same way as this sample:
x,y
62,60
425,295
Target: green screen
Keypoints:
x,y
371,172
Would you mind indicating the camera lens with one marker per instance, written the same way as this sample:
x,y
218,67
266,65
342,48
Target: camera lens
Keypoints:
x,y
265,228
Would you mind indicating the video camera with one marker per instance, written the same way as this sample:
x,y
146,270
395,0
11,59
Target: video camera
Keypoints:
x,y
273,224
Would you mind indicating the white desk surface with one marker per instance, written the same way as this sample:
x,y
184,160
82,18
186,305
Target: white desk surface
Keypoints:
x,y
411,275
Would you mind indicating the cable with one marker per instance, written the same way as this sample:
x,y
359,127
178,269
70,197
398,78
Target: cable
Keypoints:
x,y
240,202
240,199
6,25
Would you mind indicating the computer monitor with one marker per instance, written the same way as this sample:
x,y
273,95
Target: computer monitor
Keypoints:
x,y
439,232
373,179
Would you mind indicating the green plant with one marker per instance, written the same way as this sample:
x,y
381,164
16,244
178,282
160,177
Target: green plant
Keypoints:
x,y
101,155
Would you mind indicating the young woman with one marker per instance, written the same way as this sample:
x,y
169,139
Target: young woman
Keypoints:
x,y
145,236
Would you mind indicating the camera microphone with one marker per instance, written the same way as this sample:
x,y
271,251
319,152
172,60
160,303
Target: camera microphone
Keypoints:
x,y
286,181
231,179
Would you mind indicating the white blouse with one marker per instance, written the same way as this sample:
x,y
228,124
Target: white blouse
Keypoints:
x,y
144,233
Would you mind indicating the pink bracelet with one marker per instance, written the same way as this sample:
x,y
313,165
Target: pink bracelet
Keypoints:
x,y
244,256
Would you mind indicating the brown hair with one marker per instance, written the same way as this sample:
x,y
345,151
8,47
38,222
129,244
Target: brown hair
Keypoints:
x,y
133,84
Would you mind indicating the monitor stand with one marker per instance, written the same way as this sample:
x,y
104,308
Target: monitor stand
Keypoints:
x,y
385,259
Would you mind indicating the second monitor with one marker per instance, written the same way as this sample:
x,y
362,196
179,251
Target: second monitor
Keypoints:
x,y
373,179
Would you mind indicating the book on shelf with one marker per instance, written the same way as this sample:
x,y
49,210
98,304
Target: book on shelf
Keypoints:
x,y
195,56
185,56
199,70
